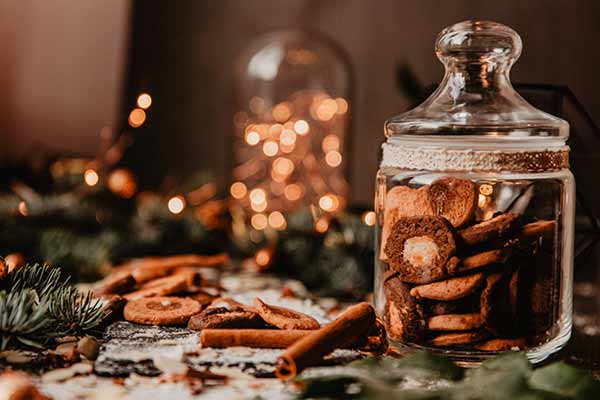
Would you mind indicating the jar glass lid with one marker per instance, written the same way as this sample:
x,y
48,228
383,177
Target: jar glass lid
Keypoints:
x,y
475,100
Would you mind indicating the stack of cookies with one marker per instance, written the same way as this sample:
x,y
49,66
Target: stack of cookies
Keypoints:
x,y
452,281
161,290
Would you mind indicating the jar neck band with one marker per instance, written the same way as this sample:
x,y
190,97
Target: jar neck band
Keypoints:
x,y
444,159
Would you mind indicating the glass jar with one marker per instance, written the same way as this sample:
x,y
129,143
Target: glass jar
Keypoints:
x,y
290,127
475,211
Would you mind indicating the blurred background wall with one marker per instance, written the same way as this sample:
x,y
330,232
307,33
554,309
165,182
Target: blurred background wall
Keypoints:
x,y
61,72
66,67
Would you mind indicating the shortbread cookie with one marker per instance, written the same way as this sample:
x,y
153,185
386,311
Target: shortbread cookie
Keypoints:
x,y
219,317
400,202
497,227
502,344
450,289
454,322
456,339
284,318
420,247
405,320
454,199
161,310
483,259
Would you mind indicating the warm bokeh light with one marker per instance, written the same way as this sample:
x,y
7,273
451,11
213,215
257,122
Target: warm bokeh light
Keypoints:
x,y
301,127
262,257
275,131
283,166
270,148
259,221
369,218
238,190
282,111
277,220
322,225
252,138
329,202
257,105
176,204
259,207
327,109
144,101
137,117
330,143
258,196
23,208
342,105
90,177
292,192
122,182
333,158
287,137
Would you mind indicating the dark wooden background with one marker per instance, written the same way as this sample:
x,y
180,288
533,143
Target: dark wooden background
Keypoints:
x,y
183,52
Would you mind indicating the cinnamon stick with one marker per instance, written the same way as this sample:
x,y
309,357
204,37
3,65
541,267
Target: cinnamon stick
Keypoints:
x,y
347,328
259,338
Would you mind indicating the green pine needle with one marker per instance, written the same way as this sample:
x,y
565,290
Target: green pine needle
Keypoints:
x,y
74,312
44,279
22,318
37,304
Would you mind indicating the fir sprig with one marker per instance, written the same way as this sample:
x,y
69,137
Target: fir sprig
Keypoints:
x,y
37,304
74,312
43,279
22,319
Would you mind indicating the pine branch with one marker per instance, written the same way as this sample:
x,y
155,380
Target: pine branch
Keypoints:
x,y
22,318
37,304
74,312
43,279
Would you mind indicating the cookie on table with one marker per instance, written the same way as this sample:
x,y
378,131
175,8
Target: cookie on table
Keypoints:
x,y
400,202
223,318
500,226
405,317
419,248
161,310
454,199
284,318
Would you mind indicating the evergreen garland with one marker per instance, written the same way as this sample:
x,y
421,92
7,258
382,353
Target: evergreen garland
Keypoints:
x,y
37,304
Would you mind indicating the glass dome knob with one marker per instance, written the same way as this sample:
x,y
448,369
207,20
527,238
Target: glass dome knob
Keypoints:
x,y
478,41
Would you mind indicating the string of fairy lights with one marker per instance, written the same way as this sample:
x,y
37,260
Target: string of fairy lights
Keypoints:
x,y
289,154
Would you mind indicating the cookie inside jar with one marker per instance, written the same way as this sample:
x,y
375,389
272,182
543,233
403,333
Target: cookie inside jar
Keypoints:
x,y
468,262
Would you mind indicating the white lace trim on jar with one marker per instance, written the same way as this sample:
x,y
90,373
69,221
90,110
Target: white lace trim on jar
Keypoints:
x,y
443,159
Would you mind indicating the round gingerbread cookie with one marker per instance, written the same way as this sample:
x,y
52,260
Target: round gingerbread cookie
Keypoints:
x,y
161,310
419,248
